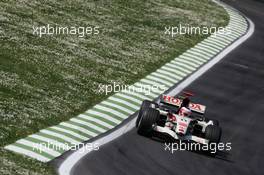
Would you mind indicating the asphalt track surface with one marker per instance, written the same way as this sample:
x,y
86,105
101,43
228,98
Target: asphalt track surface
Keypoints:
x,y
233,92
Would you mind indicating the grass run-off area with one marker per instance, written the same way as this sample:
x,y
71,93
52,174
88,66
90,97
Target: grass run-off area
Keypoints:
x,y
49,79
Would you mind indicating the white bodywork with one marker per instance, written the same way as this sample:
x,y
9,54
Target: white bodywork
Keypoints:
x,y
179,128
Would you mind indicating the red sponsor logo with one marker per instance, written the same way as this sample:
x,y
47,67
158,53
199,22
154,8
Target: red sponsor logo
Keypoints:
x,y
172,100
182,124
195,106
177,102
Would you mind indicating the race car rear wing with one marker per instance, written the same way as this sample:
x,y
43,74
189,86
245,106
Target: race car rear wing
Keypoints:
x,y
177,102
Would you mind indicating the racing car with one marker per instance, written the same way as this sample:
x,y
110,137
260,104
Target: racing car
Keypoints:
x,y
177,118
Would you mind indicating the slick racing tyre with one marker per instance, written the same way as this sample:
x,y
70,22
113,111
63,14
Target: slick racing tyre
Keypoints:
x,y
145,105
213,133
146,122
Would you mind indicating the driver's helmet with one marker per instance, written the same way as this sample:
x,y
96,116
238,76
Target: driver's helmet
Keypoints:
x,y
185,112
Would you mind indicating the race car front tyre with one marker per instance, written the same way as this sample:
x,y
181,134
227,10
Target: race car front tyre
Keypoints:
x,y
146,122
145,105
213,133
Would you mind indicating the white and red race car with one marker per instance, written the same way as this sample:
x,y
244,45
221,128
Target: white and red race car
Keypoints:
x,y
178,119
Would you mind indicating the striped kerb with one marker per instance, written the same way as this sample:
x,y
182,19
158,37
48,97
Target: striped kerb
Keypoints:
x,y
54,141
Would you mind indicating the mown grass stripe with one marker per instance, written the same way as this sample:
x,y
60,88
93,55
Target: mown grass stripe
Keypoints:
x,y
84,126
70,131
64,137
174,70
165,77
233,15
76,134
133,103
195,56
164,73
114,101
235,33
180,67
186,69
100,107
223,39
238,20
115,108
230,37
96,127
234,24
203,58
150,85
240,30
99,122
140,95
200,55
136,100
209,47
159,80
114,105
110,114
220,39
216,43
155,84
237,24
64,134
55,138
173,81
220,42
41,148
26,152
206,46
75,130
210,52
235,18
71,125
140,90
139,98
186,62
42,153
191,59
212,45
47,144
45,139
205,52
181,64
146,91
126,102
169,73
94,123
100,118
106,116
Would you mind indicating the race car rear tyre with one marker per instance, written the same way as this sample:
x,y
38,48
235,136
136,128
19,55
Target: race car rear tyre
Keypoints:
x,y
213,133
148,119
145,104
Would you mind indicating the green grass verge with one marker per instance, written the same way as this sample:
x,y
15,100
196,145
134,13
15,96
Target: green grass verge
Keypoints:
x,y
44,81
